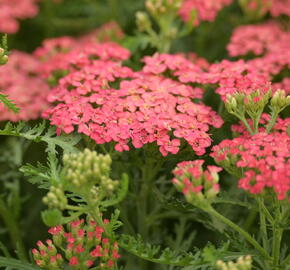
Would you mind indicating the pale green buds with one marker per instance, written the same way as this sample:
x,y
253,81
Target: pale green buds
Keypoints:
x,y
3,57
86,169
55,198
143,21
231,104
159,7
242,263
279,100
253,104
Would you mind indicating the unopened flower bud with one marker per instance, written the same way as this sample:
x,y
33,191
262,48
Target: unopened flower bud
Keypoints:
x,y
196,184
3,59
280,100
242,263
143,21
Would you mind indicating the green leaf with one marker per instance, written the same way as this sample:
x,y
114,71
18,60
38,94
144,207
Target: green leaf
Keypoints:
x,y
9,103
154,254
16,264
39,133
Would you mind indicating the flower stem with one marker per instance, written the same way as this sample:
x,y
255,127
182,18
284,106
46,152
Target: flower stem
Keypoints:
x,y
263,225
277,237
238,229
272,122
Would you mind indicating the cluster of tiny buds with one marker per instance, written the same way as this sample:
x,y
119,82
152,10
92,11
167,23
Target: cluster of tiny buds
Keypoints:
x,y
158,7
252,103
242,263
3,57
55,198
280,100
81,247
88,168
196,184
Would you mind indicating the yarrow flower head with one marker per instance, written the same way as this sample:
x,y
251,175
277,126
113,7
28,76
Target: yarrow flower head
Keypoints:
x,y
11,11
20,80
264,159
81,246
196,184
62,55
269,41
110,102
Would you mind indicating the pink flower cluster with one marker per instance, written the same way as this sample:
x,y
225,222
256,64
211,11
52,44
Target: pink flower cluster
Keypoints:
x,y
267,40
237,77
12,10
66,53
205,10
279,7
274,7
194,182
264,159
110,102
20,80
83,246
228,77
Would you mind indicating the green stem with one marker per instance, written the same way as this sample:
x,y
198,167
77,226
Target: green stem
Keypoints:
x,y
250,219
149,171
272,122
13,229
286,261
256,121
245,122
263,225
238,229
277,238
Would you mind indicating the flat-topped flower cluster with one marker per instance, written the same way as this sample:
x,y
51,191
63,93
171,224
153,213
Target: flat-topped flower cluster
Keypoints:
x,y
270,42
110,102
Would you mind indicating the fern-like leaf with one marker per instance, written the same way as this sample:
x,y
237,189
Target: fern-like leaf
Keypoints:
x,y
9,103
154,254
39,133
200,259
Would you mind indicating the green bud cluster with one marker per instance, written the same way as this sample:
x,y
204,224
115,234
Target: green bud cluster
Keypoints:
x,y
55,198
252,104
143,21
243,263
280,101
3,57
160,7
87,169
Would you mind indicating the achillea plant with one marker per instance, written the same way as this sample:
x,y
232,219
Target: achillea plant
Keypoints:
x,y
139,131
